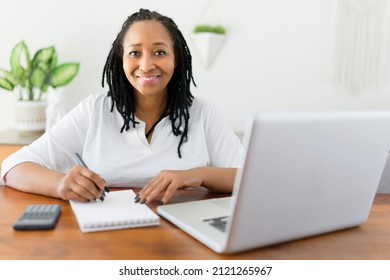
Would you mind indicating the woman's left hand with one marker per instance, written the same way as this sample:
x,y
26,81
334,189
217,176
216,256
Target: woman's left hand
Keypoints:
x,y
167,182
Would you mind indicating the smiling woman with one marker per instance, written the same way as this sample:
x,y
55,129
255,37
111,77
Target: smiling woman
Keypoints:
x,y
148,131
149,63
148,38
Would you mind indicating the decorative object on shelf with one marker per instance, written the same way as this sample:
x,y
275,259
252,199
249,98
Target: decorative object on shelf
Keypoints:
x,y
31,79
208,36
361,44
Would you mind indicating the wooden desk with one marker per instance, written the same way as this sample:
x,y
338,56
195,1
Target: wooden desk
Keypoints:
x,y
66,241
6,150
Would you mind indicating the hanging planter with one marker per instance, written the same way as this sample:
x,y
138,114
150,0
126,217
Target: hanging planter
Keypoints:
x,y
208,41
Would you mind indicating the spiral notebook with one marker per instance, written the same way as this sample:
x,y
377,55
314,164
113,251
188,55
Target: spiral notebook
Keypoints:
x,y
117,211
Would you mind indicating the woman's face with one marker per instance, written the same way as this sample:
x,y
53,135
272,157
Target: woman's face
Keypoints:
x,y
148,57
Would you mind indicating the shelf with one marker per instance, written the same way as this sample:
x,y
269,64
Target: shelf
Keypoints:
x,y
14,137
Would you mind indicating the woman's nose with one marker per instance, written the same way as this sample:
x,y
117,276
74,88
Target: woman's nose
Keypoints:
x,y
146,63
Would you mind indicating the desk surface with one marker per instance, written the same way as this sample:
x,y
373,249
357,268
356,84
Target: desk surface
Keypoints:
x,y
66,241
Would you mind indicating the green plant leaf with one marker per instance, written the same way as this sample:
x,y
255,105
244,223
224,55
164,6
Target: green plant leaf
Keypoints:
x,y
43,55
28,58
45,88
64,74
10,77
16,54
44,67
5,84
38,78
20,73
53,62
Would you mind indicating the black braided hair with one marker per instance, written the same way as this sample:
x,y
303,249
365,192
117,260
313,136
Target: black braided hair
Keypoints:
x,y
179,94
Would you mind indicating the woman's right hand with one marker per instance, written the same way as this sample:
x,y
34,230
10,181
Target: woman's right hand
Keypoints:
x,y
81,184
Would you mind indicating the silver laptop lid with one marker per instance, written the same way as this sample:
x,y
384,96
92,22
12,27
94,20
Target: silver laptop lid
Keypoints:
x,y
307,173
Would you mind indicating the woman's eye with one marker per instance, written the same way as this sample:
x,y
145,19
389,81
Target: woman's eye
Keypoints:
x,y
160,53
134,53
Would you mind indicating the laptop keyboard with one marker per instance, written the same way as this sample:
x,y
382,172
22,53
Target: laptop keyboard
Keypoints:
x,y
219,223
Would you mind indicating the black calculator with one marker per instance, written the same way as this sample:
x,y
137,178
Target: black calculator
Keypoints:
x,y
38,216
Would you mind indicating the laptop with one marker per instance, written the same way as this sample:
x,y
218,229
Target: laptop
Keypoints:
x,y
304,174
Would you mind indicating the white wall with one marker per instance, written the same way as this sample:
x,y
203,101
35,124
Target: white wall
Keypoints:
x,y
278,53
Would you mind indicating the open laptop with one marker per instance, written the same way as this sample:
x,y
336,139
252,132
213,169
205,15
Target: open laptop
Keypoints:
x,y
304,174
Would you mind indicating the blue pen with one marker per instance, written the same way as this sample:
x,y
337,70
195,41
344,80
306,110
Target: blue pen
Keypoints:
x,y
81,162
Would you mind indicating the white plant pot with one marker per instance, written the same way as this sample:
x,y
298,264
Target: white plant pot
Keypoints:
x,y
30,116
208,45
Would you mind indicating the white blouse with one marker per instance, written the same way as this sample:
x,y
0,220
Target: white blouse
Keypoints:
x,y
127,159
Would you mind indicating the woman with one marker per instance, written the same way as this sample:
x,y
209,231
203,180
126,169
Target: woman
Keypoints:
x,y
148,131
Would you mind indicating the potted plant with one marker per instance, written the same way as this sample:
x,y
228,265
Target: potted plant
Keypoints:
x,y
31,79
208,41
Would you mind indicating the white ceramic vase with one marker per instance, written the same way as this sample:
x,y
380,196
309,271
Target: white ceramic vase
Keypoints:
x,y
30,116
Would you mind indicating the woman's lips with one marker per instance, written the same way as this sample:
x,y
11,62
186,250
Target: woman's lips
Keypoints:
x,y
148,80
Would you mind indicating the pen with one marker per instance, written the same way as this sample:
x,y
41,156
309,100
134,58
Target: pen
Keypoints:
x,y
81,162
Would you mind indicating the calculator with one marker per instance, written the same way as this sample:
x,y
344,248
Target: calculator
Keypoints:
x,y
38,216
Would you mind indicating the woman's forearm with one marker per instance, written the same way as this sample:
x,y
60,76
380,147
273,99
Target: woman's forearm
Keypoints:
x,y
217,179
33,178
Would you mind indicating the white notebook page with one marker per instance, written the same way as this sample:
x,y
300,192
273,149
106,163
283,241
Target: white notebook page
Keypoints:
x,y
117,211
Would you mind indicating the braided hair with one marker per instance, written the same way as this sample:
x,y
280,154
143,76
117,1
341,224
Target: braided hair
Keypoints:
x,y
121,91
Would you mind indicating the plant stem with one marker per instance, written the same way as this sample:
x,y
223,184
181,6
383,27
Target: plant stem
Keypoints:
x,y
20,93
30,94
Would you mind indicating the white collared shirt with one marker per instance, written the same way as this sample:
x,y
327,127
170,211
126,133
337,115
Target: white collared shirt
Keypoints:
x,y
127,159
